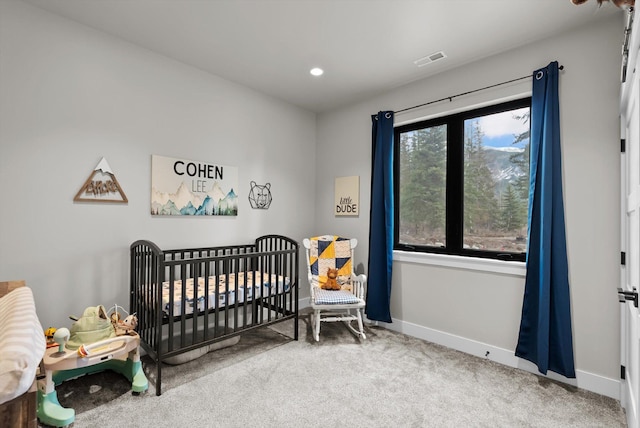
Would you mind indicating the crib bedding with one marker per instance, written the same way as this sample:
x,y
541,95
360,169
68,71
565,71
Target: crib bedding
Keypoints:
x,y
256,284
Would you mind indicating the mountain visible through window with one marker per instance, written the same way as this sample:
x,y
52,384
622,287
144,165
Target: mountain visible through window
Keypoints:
x,y
462,183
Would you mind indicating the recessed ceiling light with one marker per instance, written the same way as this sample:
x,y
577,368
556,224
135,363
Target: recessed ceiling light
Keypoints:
x,y
317,71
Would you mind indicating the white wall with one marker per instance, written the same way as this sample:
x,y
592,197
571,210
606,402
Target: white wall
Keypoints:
x,y
483,307
70,95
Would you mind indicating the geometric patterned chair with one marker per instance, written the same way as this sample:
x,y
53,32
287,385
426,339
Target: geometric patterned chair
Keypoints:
x,y
344,305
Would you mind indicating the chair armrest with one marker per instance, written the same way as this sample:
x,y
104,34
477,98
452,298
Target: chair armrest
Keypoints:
x,y
359,284
311,286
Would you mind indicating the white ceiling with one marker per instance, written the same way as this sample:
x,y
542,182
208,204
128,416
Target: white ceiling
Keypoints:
x,y
364,46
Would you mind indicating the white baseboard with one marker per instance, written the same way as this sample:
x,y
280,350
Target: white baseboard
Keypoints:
x,y
584,380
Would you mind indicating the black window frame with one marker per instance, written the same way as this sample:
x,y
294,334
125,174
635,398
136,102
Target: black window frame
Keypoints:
x,y
454,199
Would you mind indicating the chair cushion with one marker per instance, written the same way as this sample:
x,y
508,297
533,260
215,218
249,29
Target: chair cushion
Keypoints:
x,y
333,297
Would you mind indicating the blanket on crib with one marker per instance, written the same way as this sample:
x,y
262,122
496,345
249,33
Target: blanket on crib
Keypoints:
x,y
252,285
330,251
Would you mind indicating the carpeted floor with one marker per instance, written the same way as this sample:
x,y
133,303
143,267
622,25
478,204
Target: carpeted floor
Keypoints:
x,y
388,380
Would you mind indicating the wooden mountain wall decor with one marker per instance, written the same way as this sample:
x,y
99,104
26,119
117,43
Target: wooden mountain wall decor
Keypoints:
x,y
101,186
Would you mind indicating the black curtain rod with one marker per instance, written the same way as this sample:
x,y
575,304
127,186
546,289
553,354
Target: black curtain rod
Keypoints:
x,y
467,93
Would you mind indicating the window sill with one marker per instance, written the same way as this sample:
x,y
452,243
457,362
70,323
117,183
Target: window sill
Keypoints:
x,y
459,262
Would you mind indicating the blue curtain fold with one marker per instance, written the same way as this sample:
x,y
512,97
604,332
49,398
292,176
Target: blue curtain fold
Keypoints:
x,y
545,336
381,219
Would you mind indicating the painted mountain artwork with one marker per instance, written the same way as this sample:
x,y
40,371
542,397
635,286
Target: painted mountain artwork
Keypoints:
x,y
181,187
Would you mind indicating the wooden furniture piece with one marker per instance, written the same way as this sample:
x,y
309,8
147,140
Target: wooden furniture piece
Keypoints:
x,y
188,300
346,304
21,411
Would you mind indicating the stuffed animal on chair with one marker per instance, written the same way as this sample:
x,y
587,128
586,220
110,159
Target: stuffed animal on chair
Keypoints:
x,y
332,282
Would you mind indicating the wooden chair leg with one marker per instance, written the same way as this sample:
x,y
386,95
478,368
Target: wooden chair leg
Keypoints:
x,y
316,330
360,326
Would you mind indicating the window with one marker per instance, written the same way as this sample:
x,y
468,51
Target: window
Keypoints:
x,y
462,183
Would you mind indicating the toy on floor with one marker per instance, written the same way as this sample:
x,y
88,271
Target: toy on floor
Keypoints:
x,y
79,355
48,334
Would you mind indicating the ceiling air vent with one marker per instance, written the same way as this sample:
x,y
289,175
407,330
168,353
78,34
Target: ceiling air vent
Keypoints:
x,y
429,59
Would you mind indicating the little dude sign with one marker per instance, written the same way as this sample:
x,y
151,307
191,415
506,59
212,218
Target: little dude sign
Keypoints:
x,y
347,196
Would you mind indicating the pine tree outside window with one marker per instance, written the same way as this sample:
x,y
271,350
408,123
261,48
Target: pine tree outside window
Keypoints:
x,y
462,183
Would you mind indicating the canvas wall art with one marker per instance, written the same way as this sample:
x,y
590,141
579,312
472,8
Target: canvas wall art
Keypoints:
x,y
182,187
347,196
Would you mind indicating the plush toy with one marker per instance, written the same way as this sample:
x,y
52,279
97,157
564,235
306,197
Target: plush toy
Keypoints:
x,y
130,322
332,282
127,326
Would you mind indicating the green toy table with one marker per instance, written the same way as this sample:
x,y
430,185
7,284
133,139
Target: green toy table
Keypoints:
x,y
120,354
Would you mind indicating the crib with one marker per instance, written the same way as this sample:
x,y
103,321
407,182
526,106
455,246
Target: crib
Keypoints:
x,y
187,299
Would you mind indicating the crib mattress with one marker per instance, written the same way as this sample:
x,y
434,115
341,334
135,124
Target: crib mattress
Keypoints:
x,y
253,284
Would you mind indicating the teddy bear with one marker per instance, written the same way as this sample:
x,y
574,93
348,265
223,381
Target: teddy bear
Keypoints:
x,y
332,282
